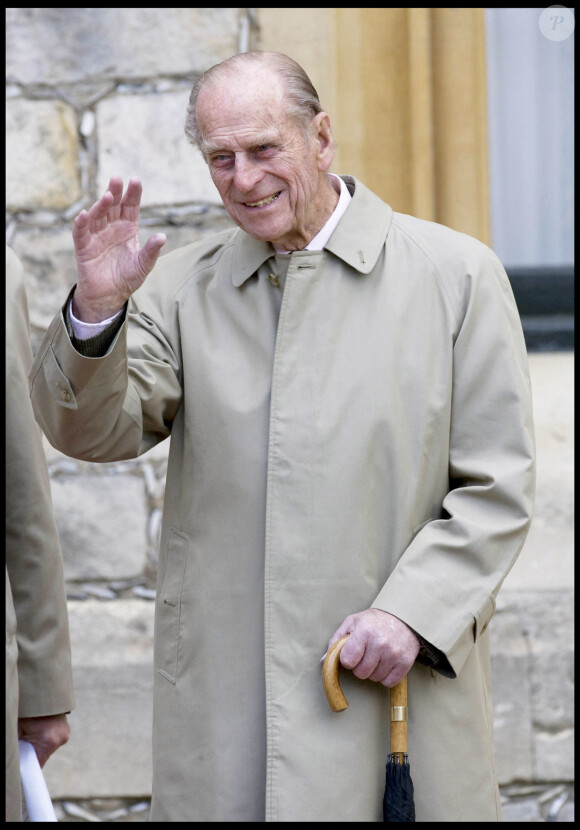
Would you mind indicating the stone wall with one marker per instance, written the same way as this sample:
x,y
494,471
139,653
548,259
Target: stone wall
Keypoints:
x,y
96,92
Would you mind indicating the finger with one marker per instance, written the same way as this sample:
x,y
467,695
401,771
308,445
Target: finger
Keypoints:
x,y
372,665
131,201
42,756
116,186
355,648
113,214
348,626
149,254
116,189
395,676
382,670
97,214
80,229
340,632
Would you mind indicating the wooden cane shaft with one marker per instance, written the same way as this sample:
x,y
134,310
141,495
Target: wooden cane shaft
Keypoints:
x,y
398,737
399,717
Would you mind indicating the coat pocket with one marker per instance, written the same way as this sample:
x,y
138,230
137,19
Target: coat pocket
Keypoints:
x,y
169,606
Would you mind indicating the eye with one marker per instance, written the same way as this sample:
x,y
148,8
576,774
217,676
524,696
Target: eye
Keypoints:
x,y
266,149
221,160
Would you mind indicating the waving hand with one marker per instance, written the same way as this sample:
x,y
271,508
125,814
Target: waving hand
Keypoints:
x,y
110,263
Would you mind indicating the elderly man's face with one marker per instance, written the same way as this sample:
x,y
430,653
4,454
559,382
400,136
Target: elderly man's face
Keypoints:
x,y
269,174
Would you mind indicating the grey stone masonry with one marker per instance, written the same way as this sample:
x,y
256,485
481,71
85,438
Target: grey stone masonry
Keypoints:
x,y
58,47
180,176
102,523
93,93
42,155
533,686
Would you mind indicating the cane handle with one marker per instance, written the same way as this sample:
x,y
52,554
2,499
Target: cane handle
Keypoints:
x,y
338,702
330,681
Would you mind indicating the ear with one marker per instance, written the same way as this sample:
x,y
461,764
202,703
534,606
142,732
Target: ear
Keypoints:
x,y
325,144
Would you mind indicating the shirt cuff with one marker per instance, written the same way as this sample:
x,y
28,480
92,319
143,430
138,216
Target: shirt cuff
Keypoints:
x,y
433,657
97,345
85,331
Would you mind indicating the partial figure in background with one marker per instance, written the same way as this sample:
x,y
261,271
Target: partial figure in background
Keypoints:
x,y
39,682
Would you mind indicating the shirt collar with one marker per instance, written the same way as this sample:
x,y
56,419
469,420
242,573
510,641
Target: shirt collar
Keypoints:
x,y
324,234
356,237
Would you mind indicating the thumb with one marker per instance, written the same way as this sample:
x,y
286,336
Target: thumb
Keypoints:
x,y
333,640
149,254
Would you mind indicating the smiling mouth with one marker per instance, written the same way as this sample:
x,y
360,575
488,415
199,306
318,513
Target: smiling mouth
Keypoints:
x,y
267,201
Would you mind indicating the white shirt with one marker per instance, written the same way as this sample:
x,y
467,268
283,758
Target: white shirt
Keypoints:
x,y
324,234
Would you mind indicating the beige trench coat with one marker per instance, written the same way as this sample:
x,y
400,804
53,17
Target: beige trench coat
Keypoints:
x,y
371,447
38,656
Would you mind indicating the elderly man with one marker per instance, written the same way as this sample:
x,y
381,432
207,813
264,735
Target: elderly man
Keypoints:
x,y
347,396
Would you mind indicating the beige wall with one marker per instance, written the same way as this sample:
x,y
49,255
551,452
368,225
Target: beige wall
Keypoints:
x,y
406,92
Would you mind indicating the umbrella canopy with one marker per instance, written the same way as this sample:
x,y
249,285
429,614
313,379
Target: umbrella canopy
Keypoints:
x,y
398,800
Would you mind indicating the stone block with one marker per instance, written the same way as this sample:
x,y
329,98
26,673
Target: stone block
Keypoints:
x,y
142,136
158,454
553,689
512,717
42,167
56,46
525,810
102,524
547,558
109,751
567,812
531,640
554,755
55,458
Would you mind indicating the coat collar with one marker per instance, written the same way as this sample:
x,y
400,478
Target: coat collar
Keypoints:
x,y
357,239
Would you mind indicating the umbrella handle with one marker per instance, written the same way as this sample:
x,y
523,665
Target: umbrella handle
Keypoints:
x,y
338,702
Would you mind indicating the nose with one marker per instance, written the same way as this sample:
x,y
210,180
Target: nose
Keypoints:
x,y
247,173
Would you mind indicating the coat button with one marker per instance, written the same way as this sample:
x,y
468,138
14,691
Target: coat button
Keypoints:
x,y
65,395
274,280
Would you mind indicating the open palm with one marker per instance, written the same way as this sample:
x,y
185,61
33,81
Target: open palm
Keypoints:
x,y
111,265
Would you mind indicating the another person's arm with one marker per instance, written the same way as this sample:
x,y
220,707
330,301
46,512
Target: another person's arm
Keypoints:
x,y
33,556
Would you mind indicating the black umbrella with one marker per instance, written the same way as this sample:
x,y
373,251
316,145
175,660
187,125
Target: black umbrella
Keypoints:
x,y
398,800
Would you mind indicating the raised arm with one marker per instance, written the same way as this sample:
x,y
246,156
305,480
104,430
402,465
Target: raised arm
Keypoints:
x,y
110,263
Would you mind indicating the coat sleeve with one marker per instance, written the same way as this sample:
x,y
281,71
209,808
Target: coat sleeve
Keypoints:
x,y
446,581
36,599
134,386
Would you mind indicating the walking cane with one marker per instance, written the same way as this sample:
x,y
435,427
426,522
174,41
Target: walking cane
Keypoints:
x,y
398,799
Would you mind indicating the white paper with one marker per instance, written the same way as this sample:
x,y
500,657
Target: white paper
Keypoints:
x,y
37,805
